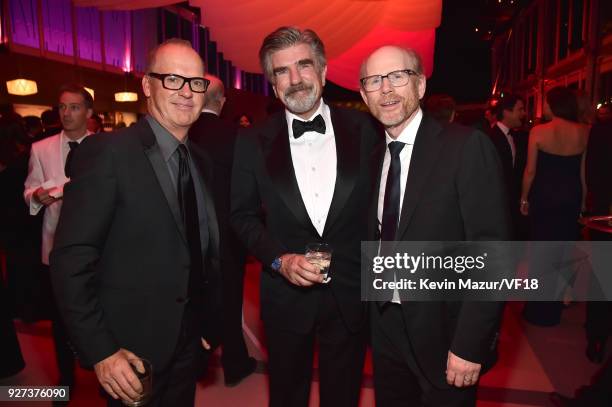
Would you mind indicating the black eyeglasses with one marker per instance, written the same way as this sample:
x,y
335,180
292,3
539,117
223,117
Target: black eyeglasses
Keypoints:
x,y
396,79
173,81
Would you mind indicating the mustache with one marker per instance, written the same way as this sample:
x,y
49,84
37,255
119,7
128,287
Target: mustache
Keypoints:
x,y
392,98
297,88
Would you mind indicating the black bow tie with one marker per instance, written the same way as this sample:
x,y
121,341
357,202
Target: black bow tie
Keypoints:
x,y
300,127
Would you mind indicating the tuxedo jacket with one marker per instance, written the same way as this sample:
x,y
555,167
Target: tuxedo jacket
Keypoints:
x,y
46,164
454,192
269,215
120,264
505,153
513,173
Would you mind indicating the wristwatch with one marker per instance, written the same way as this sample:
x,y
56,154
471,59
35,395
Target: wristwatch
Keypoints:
x,y
276,264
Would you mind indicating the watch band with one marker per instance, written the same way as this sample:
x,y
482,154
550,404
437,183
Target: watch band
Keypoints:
x,y
276,264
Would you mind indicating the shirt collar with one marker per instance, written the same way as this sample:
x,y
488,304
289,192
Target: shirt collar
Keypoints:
x,y
408,135
167,142
66,140
210,111
505,129
323,110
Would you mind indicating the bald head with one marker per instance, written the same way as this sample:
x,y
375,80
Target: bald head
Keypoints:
x,y
215,95
392,52
169,49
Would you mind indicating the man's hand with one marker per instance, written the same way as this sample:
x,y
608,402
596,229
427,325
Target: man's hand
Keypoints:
x,y
460,372
299,271
116,376
42,196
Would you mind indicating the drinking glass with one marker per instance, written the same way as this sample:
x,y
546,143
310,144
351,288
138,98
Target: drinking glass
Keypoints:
x,y
320,254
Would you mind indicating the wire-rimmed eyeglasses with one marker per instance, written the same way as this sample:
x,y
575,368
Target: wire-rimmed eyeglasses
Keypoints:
x,y
396,79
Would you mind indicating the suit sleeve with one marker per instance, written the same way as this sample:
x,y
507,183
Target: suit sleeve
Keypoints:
x,y
246,207
34,180
483,203
86,217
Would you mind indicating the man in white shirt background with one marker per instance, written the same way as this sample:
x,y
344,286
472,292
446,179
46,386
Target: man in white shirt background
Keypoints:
x,y
49,161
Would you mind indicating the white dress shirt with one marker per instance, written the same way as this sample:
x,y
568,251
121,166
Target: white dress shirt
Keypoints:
x,y
506,130
314,162
64,140
407,136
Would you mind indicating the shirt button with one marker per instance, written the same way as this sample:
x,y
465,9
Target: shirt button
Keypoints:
x,y
316,195
314,169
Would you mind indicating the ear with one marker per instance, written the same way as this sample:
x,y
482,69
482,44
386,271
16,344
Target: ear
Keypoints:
x,y
146,86
422,85
323,75
89,113
363,96
275,92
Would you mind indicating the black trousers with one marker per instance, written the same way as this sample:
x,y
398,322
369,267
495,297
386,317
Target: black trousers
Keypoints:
x,y
398,380
341,358
235,356
64,355
175,385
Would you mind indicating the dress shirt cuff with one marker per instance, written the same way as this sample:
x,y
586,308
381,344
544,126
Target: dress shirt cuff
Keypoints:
x,y
35,206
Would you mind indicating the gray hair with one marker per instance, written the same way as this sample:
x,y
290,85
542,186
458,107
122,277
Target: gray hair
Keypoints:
x,y
285,37
215,93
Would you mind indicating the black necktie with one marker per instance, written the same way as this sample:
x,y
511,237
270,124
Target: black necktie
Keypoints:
x,y
189,211
391,205
390,216
73,145
299,127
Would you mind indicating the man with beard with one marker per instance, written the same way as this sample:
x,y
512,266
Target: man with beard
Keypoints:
x,y
432,183
300,178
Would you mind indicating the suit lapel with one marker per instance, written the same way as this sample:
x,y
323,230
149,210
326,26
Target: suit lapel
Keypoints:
x,y
280,169
347,166
503,140
59,164
213,226
426,147
376,163
160,168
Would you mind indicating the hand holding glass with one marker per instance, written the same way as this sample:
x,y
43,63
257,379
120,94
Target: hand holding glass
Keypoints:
x,y
319,255
143,370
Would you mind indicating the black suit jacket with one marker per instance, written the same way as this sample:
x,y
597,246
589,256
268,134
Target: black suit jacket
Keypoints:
x,y
599,167
505,155
217,138
513,173
454,192
120,264
269,215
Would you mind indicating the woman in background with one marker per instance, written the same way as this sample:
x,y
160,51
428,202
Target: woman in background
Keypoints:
x,y
553,192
